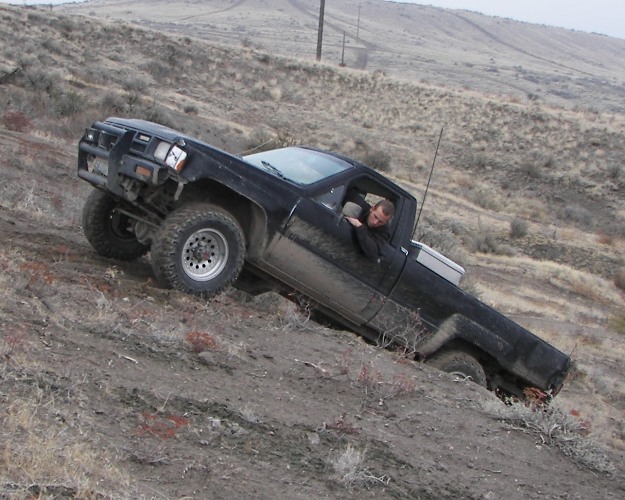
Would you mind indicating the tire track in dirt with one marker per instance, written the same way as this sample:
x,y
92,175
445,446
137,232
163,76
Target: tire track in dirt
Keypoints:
x,y
515,48
233,6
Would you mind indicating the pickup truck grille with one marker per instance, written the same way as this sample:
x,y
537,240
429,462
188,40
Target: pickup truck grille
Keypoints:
x,y
140,143
138,147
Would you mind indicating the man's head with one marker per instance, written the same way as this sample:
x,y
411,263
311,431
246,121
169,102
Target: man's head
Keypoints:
x,y
380,214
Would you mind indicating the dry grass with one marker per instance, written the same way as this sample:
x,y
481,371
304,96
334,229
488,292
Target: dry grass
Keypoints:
x,y
618,322
293,315
349,469
561,286
46,453
619,279
556,427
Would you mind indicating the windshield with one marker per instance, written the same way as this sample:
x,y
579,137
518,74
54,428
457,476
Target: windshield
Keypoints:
x,y
298,165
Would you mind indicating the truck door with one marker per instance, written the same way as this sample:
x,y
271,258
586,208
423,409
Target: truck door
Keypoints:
x,y
319,254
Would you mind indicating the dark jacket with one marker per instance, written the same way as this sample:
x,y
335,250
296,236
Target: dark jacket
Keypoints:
x,y
371,240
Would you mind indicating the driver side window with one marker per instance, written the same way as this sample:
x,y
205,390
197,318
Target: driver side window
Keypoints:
x,y
348,202
332,199
353,199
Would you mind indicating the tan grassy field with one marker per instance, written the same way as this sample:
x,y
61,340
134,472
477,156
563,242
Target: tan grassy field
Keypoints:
x,y
455,48
526,195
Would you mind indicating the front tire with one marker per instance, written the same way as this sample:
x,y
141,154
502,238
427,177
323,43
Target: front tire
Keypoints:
x,y
459,364
200,249
108,230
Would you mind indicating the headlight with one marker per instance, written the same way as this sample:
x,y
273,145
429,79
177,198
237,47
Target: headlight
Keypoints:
x,y
176,158
100,138
171,155
161,151
91,135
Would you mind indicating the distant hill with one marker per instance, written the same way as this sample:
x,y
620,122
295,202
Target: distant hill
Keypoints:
x,y
420,43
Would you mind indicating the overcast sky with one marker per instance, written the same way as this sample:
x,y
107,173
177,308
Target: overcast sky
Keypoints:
x,y
606,17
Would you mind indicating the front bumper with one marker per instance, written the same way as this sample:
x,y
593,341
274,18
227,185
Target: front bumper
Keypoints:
x,y
124,162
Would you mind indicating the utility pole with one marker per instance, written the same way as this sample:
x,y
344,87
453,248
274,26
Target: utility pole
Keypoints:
x,y
320,33
358,25
343,53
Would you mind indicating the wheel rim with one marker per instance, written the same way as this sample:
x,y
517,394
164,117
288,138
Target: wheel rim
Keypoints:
x,y
205,254
460,375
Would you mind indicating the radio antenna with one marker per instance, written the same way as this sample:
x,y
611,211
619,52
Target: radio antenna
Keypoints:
x,y
430,177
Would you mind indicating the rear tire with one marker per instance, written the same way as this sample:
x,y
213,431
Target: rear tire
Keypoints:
x,y
460,364
108,230
200,249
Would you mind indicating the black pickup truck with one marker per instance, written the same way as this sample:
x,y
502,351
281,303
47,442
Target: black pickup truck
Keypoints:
x,y
275,219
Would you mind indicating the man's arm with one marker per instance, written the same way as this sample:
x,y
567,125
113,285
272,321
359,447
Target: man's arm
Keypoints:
x,y
369,240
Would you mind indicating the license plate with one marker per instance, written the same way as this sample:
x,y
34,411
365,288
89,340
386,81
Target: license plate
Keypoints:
x,y
101,167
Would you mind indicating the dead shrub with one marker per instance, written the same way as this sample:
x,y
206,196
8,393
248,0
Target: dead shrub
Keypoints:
x,y
484,242
486,199
619,279
112,103
400,385
42,81
12,341
370,378
191,109
605,239
69,103
341,426
566,431
261,139
158,114
617,323
578,215
350,472
260,92
135,91
377,160
39,271
201,342
159,71
294,315
615,171
16,121
160,426
518,228
532,170
405,338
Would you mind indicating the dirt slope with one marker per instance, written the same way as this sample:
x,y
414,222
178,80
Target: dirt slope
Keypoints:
x,y
274,406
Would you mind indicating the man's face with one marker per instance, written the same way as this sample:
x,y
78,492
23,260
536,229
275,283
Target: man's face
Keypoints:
x,y
377,218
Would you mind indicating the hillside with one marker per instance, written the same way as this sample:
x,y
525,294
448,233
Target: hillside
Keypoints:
x,y
115,387
455,48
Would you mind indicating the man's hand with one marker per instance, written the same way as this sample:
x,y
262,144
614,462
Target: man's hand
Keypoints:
x,y
353,221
